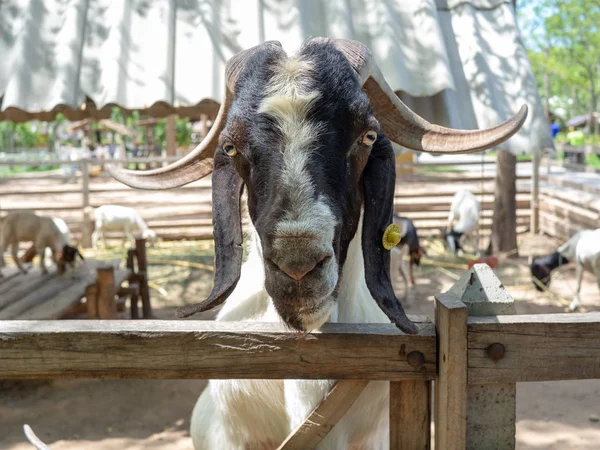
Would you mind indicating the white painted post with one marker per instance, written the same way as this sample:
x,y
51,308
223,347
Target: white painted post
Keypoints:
x,y
491,408
86,226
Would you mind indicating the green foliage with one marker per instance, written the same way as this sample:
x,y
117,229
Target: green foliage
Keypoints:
x,y
183,132
563,41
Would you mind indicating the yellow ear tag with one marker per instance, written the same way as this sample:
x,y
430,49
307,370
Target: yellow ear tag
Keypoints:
x,y
391,236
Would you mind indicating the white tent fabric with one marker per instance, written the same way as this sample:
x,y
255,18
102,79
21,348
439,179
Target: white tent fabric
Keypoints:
x,y
457,62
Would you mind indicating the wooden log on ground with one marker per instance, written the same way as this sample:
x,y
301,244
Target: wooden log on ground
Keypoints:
x,y
161,349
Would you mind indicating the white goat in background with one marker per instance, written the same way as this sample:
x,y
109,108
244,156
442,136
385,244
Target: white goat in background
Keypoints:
x,y
463,221
119,218
583,248
45,233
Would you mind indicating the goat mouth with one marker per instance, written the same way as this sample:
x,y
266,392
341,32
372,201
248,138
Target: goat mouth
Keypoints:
x,y
308,316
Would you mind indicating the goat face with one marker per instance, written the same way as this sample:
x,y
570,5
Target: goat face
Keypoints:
x,y
300,149
453,241
301,134
416,255
541,269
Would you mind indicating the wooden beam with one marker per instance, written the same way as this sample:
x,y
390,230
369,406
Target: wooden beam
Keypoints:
x,y
410,415
161,349
107,308
171,137
537,347
323,418
142,264
451,384
535,193
91,301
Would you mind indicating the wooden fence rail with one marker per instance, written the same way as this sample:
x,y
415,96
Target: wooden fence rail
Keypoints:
x,y
475,352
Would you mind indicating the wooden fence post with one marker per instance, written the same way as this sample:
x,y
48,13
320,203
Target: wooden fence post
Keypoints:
x,y
451,384
86,229
410,414
140,251
91,301
535,192
107,308
491,408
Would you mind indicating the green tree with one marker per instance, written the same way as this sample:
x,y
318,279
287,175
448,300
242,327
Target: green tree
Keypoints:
x,y
564,48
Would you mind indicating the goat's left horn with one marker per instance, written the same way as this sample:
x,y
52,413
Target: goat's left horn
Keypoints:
x,y
403,126
199,162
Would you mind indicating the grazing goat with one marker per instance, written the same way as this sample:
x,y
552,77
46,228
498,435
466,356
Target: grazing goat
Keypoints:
x,y
119,218
409,245
70,252
583,248
309,138
463,221
44,232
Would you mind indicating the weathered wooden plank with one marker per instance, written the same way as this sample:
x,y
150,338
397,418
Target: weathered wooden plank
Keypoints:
x,y
542,347
410,415
451,384
59,304
162,349
323,418
28,283
53,286
8,273
9,282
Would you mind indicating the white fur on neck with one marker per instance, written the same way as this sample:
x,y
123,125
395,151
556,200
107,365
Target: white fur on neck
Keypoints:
x,y
258,414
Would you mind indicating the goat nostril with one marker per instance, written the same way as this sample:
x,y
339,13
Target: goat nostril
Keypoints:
x,y
296,274
299,271
324,261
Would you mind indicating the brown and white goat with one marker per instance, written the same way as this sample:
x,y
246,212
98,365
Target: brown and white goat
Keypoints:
x,y
44,232
309,138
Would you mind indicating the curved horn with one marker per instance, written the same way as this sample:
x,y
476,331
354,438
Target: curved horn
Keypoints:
x,y
199,162
403,126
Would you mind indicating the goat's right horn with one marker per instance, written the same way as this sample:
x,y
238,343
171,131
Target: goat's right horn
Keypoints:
x,y
403,126
199,162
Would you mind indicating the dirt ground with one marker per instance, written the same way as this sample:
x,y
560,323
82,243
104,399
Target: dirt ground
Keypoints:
x,y
149,414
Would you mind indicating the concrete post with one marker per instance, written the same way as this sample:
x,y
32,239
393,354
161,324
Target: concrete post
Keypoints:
x,y
491,408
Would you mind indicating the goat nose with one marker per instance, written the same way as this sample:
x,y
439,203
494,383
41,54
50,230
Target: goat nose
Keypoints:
x,y
298,269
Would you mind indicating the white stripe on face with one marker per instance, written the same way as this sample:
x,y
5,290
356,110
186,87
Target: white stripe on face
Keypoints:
x,y
288,101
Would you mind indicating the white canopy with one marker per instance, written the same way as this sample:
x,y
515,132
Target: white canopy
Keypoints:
x,y
459,63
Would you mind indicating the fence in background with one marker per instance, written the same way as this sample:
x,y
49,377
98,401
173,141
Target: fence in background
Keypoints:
x,y
424,193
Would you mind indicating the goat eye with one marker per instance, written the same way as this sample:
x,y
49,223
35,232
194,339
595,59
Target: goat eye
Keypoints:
x,y
230,149
369,138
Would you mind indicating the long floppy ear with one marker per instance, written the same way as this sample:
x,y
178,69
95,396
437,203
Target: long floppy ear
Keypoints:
x,y
379,182
227,221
